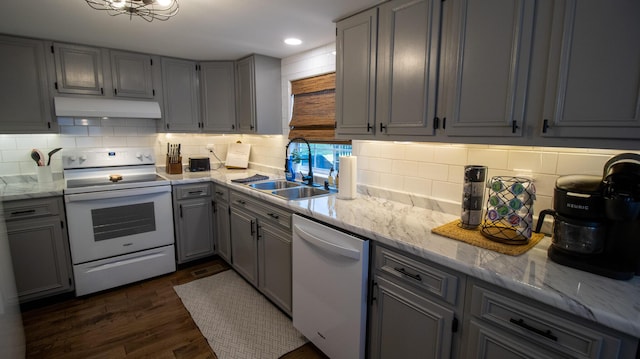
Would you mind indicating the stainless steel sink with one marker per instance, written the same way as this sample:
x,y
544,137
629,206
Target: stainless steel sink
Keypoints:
x,y
273,185
302,192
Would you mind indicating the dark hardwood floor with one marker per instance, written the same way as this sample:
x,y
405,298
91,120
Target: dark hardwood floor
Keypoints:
x,y
145,319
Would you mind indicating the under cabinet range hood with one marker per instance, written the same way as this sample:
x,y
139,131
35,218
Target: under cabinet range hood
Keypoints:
x,y
98,107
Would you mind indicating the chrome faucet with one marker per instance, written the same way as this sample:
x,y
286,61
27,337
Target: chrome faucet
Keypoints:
x,y
309,177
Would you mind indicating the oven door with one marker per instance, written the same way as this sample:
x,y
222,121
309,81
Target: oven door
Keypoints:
x,y
110,223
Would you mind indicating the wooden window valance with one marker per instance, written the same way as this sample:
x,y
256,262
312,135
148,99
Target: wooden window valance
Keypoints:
x,y
314,109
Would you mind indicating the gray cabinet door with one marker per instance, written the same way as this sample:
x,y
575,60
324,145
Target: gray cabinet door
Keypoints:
x,y
194,229
245,99
181,100
356,47
486,55
407,325
40,255
217,89
274,256
244,249
593,82
407,77
24,100
132,75
487,343
223,230
78,69
259,95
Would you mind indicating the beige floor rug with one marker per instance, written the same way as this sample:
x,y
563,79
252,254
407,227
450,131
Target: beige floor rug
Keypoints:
x,y
238,321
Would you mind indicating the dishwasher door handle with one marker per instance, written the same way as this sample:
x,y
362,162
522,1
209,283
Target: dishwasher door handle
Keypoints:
x,y
327,246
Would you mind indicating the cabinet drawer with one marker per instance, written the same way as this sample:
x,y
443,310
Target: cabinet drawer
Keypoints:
x,y
262,209
192,191
544,327
32,208
432,280
221,193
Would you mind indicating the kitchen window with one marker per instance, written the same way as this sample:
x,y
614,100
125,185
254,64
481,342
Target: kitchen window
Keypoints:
x,y
313,118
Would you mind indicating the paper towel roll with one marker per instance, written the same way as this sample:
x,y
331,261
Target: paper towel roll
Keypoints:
x,y
348,176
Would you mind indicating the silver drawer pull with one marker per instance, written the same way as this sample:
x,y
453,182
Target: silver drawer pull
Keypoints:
x,y
273,215
404,271
195,192
545,333
241,201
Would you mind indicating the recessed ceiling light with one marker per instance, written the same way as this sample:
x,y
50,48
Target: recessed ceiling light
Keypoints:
x,y
292,41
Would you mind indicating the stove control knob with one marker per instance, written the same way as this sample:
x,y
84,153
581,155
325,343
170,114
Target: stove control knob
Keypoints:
x,y
147,155
83,158
72,158
139,155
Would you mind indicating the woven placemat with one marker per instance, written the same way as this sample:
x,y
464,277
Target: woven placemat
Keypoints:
x,y
474,237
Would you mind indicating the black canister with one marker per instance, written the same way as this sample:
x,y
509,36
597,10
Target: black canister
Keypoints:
x,y
473,196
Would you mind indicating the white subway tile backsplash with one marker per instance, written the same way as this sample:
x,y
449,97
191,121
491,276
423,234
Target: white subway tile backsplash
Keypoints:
x,y
450,155
9,168
405,168
533,161
456,174
434,171
419,152
447,191
87,122
493,158
421,186
577,163
87,142
369,178
74,130
391,181
8,142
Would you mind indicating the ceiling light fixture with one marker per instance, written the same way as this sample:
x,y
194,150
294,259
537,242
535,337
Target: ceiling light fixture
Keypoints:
x,y
292,41
149,10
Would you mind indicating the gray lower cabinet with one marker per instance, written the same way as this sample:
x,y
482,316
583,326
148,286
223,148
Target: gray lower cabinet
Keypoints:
x,y
218,97
261,247
593,71
39,247
181,96
24,99
415,307
221,222
258,95
193,219
501,324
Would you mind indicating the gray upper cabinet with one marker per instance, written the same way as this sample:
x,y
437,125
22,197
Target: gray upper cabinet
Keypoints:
x,y
593,77
181,96
356,48
78,69
407,77
132,75
258,95
217,91
24,99
486,56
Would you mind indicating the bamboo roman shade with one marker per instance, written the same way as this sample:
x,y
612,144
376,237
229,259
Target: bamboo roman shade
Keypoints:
x,y
314,109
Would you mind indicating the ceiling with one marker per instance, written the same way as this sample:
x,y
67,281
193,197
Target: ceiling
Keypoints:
x,y
202,30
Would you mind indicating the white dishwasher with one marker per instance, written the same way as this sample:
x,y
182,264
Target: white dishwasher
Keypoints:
x,y
330,273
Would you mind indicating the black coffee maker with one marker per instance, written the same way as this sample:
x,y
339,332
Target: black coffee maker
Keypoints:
x,y
597,221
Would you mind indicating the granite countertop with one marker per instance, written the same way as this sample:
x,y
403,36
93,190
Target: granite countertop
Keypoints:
x,y
612,303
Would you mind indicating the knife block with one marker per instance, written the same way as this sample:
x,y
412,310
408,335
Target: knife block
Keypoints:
x,y
174,168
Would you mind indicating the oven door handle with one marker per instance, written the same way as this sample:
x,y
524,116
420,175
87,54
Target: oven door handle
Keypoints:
x,y
115,193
